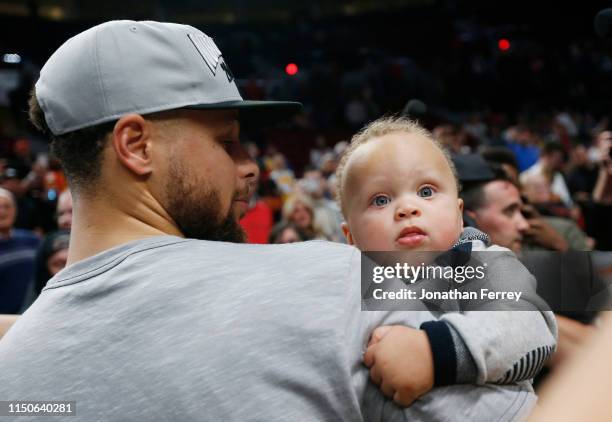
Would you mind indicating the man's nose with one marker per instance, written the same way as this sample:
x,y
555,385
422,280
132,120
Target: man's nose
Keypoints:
x,y
247,168
406,209
522,225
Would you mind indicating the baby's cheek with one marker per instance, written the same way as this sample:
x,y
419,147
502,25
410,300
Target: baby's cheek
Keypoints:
x,y
447,238
370,237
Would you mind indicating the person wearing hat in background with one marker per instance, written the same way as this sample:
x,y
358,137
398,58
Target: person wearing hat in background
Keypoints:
x,y
161,313
493,204
549,165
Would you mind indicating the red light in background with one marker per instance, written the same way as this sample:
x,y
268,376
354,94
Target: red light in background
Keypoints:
x,y
291,69
503,44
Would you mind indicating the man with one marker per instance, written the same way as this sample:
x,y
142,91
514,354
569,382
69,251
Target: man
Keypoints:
x,y
147,323
495,207
327,216
17,252
550,165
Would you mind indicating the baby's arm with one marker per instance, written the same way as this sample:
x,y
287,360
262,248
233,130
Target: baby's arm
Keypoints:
x,y
509,341
480,347
408,362
401,362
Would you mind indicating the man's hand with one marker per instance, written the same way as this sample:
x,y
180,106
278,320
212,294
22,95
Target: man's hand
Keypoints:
x,y
400,362
543,234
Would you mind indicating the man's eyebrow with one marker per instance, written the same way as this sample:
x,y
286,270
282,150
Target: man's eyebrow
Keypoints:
x,y
512,207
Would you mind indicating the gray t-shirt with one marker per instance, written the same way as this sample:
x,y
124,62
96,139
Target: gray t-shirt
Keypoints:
x,y
174,329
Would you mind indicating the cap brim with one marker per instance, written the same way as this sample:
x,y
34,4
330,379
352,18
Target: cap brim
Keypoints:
x,y
256,112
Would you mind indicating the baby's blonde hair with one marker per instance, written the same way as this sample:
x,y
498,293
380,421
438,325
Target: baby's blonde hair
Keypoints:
x,y
376,129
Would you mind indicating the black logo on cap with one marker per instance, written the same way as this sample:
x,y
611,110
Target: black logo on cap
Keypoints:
x,y
211,54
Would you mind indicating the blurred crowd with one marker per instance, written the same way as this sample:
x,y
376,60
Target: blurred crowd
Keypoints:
x,y
560,172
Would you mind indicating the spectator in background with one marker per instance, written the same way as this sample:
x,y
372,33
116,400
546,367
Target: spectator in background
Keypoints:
x,y
50,259
64,210
320,149
327,215
550,165
602,192
258,220
35,208
281,174
505,158
285,233
299,210
544,232
17,252
329,162
450,137
53,250
582,174
522,142
537,189
495,207
23,159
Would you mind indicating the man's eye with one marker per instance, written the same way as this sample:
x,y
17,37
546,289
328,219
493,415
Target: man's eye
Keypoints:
x,y
381,200
228,145
426,192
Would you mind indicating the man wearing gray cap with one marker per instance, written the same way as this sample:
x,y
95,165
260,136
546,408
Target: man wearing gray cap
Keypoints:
x,y
160,315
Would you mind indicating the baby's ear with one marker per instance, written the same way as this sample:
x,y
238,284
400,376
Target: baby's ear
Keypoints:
x,y
347,233
460,205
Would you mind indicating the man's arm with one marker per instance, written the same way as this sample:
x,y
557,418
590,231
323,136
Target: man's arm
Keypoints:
x,y
581,390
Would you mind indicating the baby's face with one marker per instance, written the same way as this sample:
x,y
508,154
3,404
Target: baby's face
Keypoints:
x,y
400,194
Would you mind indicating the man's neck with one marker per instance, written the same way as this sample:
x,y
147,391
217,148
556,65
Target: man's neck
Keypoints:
x,y
97,227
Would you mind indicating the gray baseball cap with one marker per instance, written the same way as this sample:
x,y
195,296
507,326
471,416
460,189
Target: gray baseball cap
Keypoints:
x,y
123,67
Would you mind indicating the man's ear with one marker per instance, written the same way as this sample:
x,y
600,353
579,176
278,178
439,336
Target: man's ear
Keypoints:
x,y
347,233
460,205
132,143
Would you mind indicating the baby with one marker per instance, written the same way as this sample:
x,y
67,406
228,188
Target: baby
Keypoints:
x,y
398,190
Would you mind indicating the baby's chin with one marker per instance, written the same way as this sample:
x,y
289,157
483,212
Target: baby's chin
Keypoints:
x,y
428,246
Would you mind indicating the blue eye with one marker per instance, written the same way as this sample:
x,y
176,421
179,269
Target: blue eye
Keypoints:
x,y
381,200
426,192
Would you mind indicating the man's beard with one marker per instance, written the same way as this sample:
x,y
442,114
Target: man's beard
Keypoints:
x,y
197,210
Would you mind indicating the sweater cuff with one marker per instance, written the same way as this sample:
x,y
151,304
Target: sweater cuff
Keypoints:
x,y
467,371
443,351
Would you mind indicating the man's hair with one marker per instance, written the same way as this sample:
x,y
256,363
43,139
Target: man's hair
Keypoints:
x,y
473,197
79,152
381,127
7,193
473,194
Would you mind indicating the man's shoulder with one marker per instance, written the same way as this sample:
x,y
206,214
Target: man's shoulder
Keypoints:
x,y
319,249
313,257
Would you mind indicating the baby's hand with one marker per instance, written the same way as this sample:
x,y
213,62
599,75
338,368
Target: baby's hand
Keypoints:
x,y
400,362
